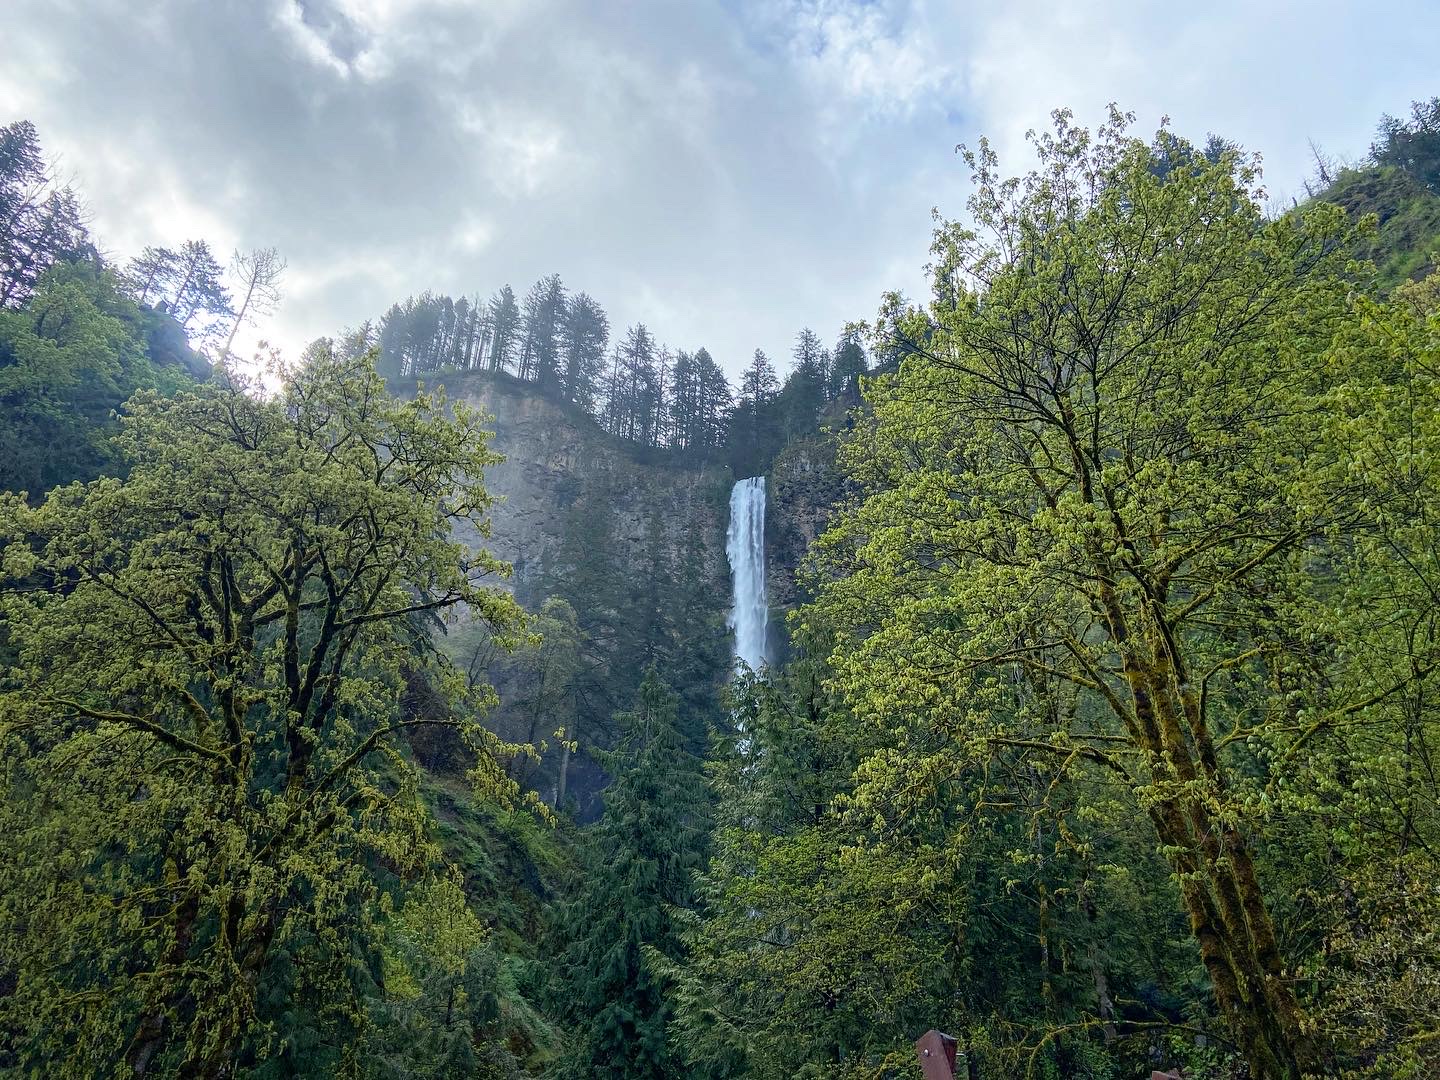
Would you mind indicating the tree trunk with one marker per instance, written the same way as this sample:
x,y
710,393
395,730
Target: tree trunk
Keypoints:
x,y
149,1038
1228,915
239,318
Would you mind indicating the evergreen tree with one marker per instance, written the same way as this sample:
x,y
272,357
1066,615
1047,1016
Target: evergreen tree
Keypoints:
x,y
407,336
643,857
633,395
504,329
544,688
586,336
803,395
198,290
713,406
40,224
649,401
756,431
151,273
682,402
542,327
696,656
588,572
1413,145
758,386
392,362
664,363
447,324
849,361
483,323
472,334
354,342
23,171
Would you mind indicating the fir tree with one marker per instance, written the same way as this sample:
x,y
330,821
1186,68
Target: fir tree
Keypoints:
x,y
849,361
804,391
634,394
586,334
504,328
40,223
198,292
644,855
714,402
543,330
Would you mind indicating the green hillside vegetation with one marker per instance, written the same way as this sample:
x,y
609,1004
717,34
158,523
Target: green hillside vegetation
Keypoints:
x,y
1103,735
1407,214
1399,183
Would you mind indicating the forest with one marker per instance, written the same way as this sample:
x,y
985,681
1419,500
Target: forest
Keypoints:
x,y
1097,725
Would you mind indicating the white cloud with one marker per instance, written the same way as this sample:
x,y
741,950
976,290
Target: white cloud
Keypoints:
x,y
473,235
724,170
523,155
312,43
882,57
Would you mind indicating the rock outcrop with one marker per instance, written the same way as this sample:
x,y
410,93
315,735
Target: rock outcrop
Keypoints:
x,y
555,454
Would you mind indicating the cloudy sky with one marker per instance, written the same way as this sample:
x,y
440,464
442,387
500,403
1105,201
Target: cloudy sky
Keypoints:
x,y
726,171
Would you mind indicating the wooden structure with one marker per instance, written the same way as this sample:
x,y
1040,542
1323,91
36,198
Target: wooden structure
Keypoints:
x,y
937,1055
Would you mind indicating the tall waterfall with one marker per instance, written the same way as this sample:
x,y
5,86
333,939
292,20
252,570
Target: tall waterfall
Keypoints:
x,y
745,548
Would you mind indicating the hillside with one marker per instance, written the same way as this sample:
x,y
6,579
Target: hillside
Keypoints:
x,y
352,732
1407,238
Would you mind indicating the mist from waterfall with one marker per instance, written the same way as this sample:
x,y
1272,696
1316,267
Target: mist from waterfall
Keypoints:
x,y
745,548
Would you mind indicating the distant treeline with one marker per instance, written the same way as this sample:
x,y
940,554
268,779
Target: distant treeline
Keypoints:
x,y
636,387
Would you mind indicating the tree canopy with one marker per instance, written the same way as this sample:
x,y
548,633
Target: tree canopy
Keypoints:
x,y
208,661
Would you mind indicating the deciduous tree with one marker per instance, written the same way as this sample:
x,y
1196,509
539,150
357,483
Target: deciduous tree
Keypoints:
x,y
1100,475
201,712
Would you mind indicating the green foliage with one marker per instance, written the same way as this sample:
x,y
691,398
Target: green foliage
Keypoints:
x,y
41,222
803,395
812,958
849,363
640,867
201,720
69,358
1399,184
187,285
836,928
1412,145
636,602
541,680
1106,741
1125,554
1407,214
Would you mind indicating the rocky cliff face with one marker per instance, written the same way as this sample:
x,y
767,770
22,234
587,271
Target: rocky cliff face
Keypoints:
x,y
805,486
557,458
555,453
633,540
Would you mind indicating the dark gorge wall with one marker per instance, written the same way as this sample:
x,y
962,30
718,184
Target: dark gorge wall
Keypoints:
x,y
633,540
558,458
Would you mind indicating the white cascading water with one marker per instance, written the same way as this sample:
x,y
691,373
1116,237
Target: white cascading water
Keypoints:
x,y
745,548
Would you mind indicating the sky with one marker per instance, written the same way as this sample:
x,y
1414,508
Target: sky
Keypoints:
x,y
725,171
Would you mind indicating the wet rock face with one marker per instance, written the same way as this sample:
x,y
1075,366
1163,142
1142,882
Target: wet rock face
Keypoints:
x,y
805,486
555,454
556,457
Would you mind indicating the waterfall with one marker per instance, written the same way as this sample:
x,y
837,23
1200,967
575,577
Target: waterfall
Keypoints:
x,y
745,548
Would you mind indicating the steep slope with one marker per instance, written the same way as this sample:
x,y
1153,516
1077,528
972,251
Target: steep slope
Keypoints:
x,y
1405,243
621,553
555,455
